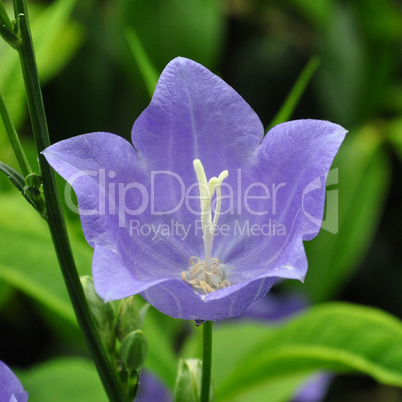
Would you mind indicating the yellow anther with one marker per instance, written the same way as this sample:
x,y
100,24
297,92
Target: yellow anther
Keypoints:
x,y
194,260
211,280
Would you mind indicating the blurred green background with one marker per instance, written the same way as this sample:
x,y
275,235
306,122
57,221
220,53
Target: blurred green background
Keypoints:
x,y
92,82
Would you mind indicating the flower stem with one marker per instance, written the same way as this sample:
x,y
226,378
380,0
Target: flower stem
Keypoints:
x,y
206,361
13,137
106,370
6,28
4,19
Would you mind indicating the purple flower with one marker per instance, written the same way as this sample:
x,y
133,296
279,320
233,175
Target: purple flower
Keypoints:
x,y
152,389
275,308
11,389
315,388
150,212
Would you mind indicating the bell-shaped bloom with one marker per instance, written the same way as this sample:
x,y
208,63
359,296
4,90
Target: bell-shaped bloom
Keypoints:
x,y
11,389
204,213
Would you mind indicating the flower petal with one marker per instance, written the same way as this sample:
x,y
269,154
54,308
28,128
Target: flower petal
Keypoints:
x,y
112,189
293,159
114,280
10,386
194,114
89,163
176,299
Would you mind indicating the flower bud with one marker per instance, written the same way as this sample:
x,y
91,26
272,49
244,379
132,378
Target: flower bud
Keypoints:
x,y
188,381
33,180
128,318
103,314
33,191
134,350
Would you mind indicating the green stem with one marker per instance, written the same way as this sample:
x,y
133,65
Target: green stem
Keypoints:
x,y
206,361
13,137
6,28
106,370
9,36
4,18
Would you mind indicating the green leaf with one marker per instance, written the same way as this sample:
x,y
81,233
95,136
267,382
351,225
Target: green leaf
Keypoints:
x,y
352,79
394,136
288,107
56,39
6,291
279,389
363,186
229,349
148,71
63,380
318,12
29,263
343,338
193,29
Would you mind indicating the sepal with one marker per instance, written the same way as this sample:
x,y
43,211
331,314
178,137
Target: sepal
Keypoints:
x,y
103,314
128,317
30,187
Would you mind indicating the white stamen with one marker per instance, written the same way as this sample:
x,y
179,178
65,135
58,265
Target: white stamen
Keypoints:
x,y
208,275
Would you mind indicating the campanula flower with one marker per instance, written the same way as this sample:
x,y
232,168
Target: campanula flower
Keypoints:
x,y
203,213
11,389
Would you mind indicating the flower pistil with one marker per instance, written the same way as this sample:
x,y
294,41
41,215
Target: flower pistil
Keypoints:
x,y
208,275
